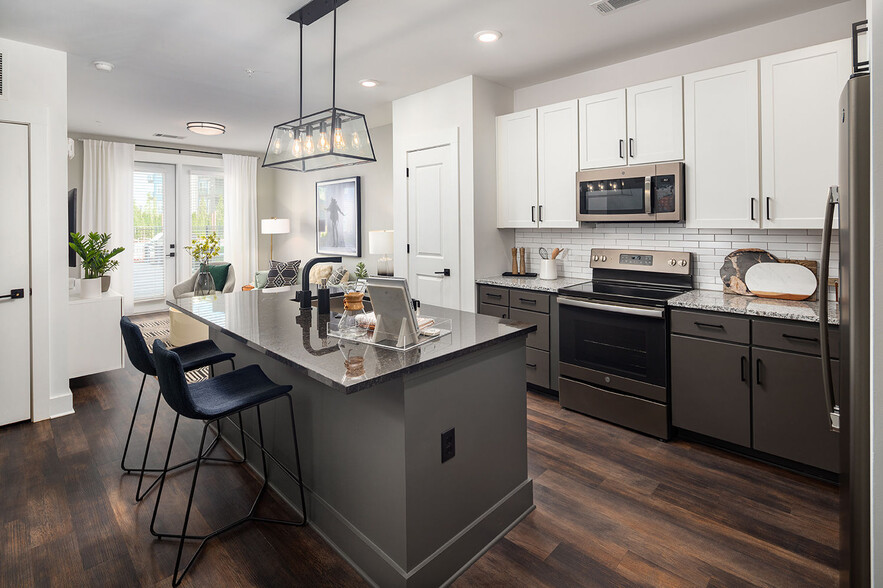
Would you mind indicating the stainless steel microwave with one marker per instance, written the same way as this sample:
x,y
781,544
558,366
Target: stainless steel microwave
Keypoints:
x,y
639,193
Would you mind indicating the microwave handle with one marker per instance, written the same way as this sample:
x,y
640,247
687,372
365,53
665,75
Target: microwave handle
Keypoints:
x,y
647,199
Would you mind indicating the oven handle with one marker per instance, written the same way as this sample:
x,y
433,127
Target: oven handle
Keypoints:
x,y
607,307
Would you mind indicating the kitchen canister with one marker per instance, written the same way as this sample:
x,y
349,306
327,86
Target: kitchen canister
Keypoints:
x,y
548,269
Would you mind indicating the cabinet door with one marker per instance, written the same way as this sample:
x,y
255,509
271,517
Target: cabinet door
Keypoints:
x,y
517,170
558,162
790,414
711,388
722,147
655,114
800,93
602,130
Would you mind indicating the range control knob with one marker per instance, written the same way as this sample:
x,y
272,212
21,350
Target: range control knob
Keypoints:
x,y
595,258
603,258
672,262
683,263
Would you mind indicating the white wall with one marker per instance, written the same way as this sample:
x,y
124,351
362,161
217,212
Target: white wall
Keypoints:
x,y
294,198
811,28
36,81
469,105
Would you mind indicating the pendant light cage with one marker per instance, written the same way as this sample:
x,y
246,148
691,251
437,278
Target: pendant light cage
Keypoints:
x,y
330,138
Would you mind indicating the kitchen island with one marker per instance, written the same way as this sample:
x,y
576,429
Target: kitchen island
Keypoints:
x,y
370,424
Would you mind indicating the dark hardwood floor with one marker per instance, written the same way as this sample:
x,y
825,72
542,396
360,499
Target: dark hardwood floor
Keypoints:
x,y
613,509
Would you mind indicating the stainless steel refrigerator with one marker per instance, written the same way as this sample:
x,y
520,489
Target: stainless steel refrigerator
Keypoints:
x,y
849,403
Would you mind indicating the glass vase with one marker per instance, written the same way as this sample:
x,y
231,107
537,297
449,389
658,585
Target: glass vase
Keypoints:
x,y
205,283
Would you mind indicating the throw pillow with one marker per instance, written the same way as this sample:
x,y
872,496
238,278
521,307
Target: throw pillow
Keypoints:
x,y
319,272
219,274
283,273
260,279
337,276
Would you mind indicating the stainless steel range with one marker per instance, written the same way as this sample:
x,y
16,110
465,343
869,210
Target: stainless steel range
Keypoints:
x,y
614,337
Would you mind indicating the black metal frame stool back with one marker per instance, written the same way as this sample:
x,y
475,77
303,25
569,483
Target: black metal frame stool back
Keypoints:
x,y
194,356
211,401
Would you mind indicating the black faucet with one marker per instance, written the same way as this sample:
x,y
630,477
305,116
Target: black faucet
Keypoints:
x,y
305,296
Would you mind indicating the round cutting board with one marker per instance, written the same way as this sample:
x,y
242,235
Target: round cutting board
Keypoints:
x,y
737,263
788,281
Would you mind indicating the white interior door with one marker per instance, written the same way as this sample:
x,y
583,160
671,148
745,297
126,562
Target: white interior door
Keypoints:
x,y
434,226
155,245
15,314
602,130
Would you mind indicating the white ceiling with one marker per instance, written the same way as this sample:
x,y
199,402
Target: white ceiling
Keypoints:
x,y
180,60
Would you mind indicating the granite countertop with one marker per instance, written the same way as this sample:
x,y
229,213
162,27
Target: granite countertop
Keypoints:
x,y
537,284
753,306
272,323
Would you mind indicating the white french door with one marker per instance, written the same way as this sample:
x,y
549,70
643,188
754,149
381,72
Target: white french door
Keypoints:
x,y
155,272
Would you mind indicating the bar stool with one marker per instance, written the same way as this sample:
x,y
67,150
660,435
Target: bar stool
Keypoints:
x,y
210,401
195,356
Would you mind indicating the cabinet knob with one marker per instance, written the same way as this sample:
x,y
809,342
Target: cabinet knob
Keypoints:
x,y
672,262
603,258
595,258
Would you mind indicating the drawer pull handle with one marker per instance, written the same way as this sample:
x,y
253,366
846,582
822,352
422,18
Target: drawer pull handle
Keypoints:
x,y
531,365
527,301
757,372
797,338
708,326
493,295
744,368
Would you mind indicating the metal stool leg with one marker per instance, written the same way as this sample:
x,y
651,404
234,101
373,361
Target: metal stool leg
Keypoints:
x,y
162,477
300,477
132,426
176,579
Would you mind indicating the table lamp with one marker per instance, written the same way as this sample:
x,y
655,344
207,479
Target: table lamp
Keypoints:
x,y
381,243
274,226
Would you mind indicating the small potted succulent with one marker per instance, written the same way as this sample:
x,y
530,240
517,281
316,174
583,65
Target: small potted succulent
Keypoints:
x,y
97,262
203,250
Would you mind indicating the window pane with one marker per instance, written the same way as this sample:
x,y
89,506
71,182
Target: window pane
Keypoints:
x,y
207,208
150,243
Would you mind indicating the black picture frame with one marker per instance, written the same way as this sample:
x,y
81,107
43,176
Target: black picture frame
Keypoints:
x,y
339,217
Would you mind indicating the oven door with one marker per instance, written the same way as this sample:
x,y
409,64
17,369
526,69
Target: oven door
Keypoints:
x,y
621,346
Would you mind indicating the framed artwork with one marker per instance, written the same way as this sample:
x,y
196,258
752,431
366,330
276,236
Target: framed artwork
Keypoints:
x,y
339,217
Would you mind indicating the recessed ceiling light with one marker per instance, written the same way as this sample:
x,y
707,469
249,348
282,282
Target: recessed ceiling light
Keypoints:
x,y
488,36
369,83
103,65
206,128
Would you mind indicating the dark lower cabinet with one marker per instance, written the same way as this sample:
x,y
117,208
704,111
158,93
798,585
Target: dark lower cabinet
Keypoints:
x,y
711,388
790,416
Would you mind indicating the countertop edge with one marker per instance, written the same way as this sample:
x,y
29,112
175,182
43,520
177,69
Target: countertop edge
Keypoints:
x,y
684,301
508,282
526,329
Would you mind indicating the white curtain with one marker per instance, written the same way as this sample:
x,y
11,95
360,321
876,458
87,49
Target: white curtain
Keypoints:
x,y
241,215
108,178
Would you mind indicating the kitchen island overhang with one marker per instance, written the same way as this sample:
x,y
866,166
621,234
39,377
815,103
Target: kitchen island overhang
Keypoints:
x,y
370,432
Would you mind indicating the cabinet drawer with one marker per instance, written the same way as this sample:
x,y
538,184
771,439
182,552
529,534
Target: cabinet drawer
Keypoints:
x,y
493,295
539,339
791,337
629,411
534,301
711,325
493,310
537,363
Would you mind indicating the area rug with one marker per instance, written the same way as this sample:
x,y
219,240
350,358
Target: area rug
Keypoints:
x,y
157,327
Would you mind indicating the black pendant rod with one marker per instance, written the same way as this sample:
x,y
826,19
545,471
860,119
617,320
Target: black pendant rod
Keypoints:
x,y
300,71
334,63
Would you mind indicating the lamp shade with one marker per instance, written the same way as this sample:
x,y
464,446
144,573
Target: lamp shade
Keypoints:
x,y
380,242
275,226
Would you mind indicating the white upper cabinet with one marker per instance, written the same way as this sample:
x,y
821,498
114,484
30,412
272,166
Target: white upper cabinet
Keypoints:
x,y
602,130
722,147
800,93
517,170
655,114
557,165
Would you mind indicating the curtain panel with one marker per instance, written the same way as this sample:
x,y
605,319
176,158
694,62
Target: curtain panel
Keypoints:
x,y
241,214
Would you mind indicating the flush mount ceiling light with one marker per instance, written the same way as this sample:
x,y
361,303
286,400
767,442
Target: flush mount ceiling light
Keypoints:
x,y
206,128
488,36
369,83
333,137
103,65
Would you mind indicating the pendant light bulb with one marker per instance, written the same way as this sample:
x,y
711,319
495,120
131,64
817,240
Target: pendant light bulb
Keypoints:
x,y
324,145
356,142
297,146
309,148
339,143
277,146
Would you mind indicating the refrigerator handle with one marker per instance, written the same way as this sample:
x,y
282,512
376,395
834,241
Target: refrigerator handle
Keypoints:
x,y
827,376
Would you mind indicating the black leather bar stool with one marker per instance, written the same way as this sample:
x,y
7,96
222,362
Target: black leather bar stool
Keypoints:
x,y
194,356
210,401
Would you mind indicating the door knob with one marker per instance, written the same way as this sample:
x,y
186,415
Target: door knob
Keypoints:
x,y
446,272
13,294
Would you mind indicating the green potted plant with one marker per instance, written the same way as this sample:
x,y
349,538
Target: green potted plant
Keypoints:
x,y
97,261
203,250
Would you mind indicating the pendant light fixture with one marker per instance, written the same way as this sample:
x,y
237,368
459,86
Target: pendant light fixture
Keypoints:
x,y
333,137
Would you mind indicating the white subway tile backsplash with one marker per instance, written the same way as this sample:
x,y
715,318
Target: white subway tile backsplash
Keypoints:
x,y
709,246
